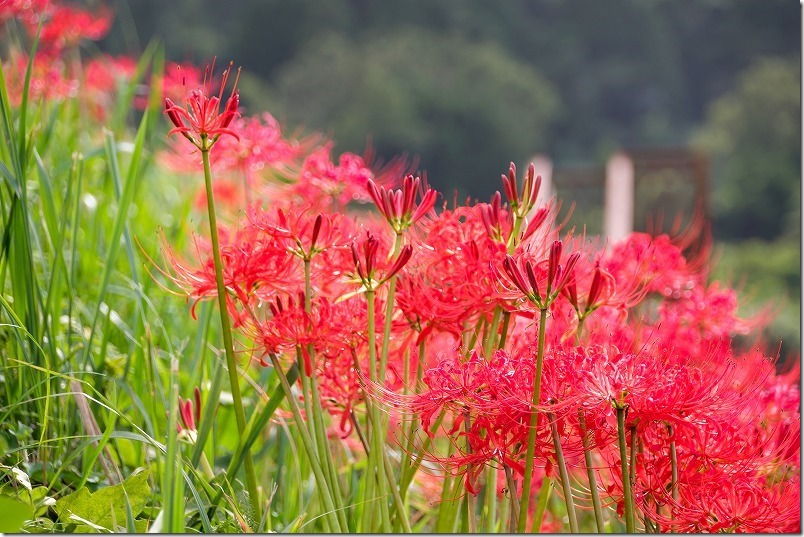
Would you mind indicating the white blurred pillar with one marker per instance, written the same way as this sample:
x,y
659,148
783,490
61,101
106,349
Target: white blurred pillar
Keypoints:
x,y
618,219
544,167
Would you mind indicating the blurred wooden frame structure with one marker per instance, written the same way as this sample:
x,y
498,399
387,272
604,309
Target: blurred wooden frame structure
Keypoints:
x,y
639,189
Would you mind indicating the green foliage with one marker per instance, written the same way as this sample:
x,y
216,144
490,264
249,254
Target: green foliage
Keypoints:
x,y
13,514
109,507
769,274
627,71
753,134
440,97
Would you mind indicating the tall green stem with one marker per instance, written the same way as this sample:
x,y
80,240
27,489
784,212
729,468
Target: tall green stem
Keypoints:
x,y
562,469
674,468
514,504
389,313
490,500
534,420
228,345
626,477
632,469
541,504
590,471
317,416
309,445
377,438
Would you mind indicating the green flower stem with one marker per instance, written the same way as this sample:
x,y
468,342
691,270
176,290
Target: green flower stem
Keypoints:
x,y
420,363
409,472
506,515
408,466
674,469
466,515
316,420
442,525
632,468
514,504
534,417
448,513
562,469
467,512
377,436
309,446
481,324
629,511
512,238
590,472
541,504
411,425
504,330
490,500
228,346
389,313
317,416
491,339
399,504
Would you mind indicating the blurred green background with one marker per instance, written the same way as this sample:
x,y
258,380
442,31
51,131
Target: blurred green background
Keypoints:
x,y
465,86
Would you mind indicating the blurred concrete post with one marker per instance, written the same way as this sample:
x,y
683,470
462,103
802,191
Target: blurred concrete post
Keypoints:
x,y
618,220
544,167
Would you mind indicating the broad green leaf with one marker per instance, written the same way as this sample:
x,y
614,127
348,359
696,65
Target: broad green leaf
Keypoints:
x,y
38,500
13,514
106,505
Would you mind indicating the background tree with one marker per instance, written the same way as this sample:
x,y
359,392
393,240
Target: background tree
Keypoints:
x,y
753,135
458,105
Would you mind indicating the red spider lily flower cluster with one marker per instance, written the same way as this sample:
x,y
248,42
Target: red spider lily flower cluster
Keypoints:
x,y
637,351
634,344
63,25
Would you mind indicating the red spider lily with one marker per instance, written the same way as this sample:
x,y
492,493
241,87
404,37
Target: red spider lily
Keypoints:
x,y
366,262
489,406
255,266
451,279
202,121
63,25
325,185
25,10
190,415
521,204
654,262
725,502
703,318
49,78
600,292
101,78
554,278
291,328
67,26
258,148
305,234
398,206
446,289
496,220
